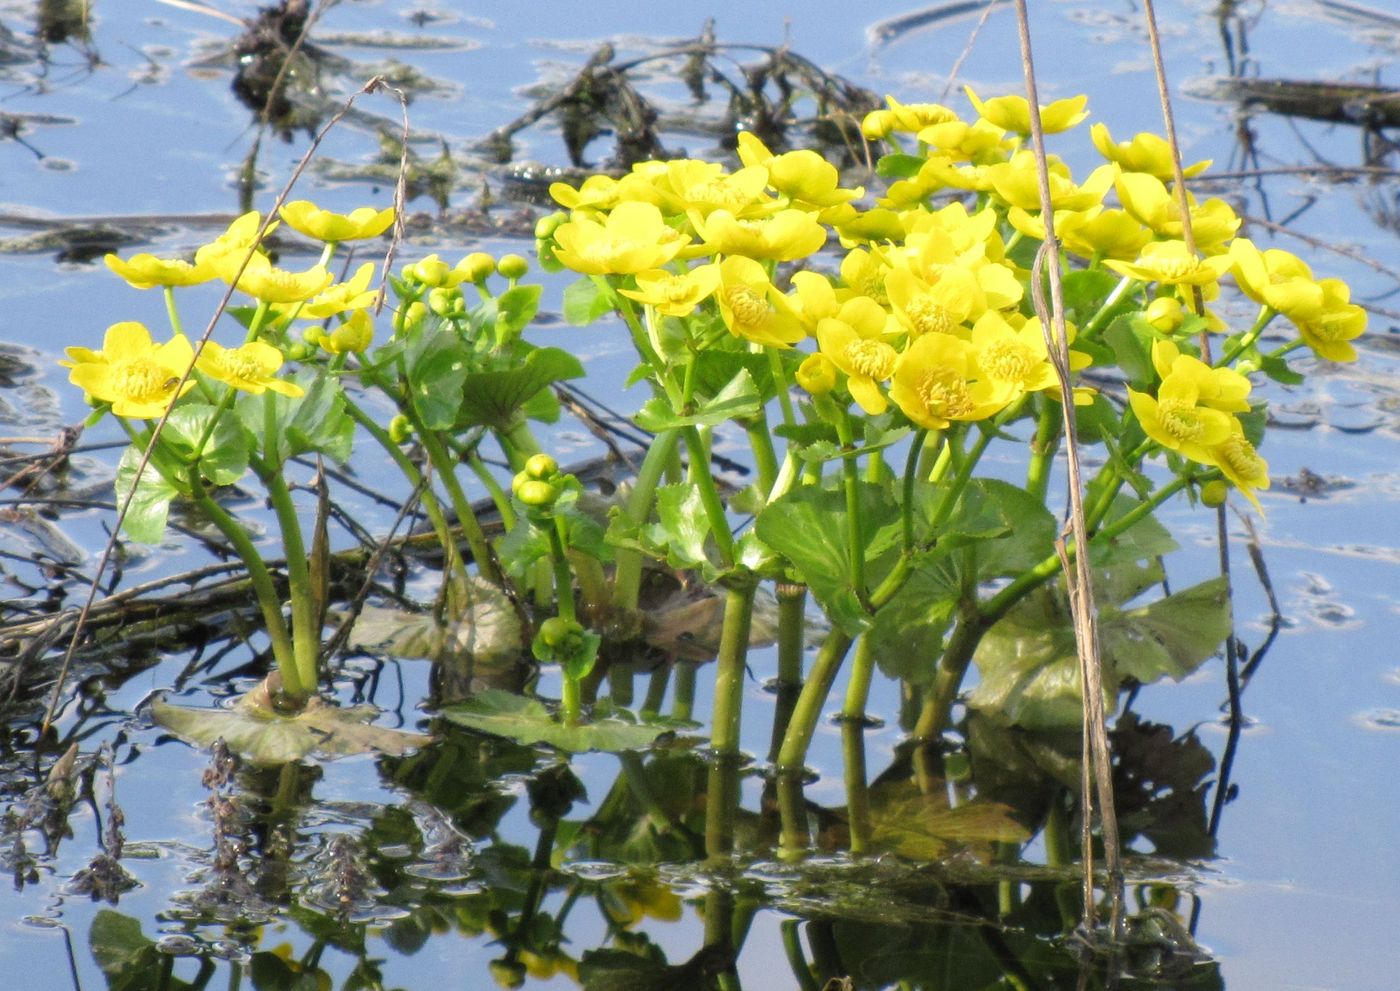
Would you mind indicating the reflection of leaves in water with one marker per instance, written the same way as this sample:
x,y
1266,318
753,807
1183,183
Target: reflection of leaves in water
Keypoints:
x,y
129,959
526,720
923,826
1159,787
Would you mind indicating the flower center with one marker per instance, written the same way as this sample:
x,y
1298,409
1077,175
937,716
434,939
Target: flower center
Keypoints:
x,y
676,290
1179,420
1176,269
716,193
142,380
1007,360
944,392
874,359
242,366
1240,457
750,308
928,316
605,250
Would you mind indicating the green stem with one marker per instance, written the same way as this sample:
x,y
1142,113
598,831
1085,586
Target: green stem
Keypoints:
x,y
724,730
853,745
306,632
466,518
781,386
656,691
498,494
850,476
764,457
683,699
627,576
798,738
171,312
792,621
264,589
704,481
1125,284
1043,448
911,470
1265,315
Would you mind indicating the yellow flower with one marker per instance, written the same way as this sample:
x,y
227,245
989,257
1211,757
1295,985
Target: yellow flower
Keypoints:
x,y
237,240
752,308
1338,322
785,236
1147,199
1170,263
597,193
1013,113
248,367
1017,183
816,374
1165,313
1147,152
133,373
1095,232
1176,420
870,225
979,141
1239,462
1276,278
908,117
933,383
675,295
687,184
352,295
803,176
145,271
938,308
263,281
1012,357
322,225
1219,388
632,238
853,341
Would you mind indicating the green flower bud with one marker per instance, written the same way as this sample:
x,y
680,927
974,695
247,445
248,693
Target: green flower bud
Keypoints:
x,y
442,300
509,974
513,267
1213,493
477,267
535,493
413,316
555,631
300,351
547,225
400,429
313,336
541,466
354,334
431,271
1165,313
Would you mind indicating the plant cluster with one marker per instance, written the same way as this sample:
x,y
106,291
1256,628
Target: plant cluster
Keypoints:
x,y
900,396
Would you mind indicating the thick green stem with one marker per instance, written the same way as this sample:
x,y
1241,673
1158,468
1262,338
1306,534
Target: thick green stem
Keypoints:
x,y
906,503
792,619
466,518
798,738
704,481
656,691
853,745
627,576
683,699
306,632
263,589
724,731
850,477
1125,284
764,457
1043,448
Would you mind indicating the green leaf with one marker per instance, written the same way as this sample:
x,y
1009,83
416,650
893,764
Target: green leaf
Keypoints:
x,y
1131,338
680,535
526,720
1279,370
808,526
898,166
225,457
907,632
485,629
315,421
436,366
254,729
737,400
1030,667
150,506
1085,291
588,299
921,826
493,398
1145,539
515,308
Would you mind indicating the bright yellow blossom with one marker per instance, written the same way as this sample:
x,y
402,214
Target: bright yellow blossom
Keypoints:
x,y
322,225
813,299
934,383
1146,152
803,176
816,374
144,271
354,334
133,373
1219,388
1170,263
1091,233
1145,197
632,238
1013,113
248,367
1176,419
1337,322
853,340
784,236
1276,278
960,142
1239,462
598,193
1017,183
354,294
1015,358
940,307
752,308
686,184
675,295
237,240
263,281
907,117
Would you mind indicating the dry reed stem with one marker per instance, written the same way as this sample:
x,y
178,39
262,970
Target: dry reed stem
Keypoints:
x,y
1096,756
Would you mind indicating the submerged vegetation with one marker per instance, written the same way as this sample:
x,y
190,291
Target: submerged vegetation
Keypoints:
x,y
868,313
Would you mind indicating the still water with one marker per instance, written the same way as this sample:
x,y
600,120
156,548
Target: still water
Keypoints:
x,y
130,115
